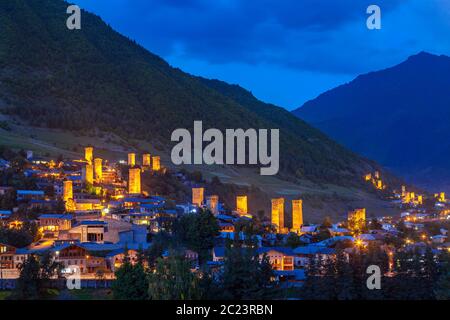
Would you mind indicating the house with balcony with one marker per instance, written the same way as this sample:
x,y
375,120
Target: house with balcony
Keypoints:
x,y
280,258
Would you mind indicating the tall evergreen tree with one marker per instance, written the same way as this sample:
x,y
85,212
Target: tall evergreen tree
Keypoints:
x,y
173,280
131,281
35,275
245,275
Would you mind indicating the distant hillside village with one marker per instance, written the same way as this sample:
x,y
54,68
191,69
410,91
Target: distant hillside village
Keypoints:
x,y
91,216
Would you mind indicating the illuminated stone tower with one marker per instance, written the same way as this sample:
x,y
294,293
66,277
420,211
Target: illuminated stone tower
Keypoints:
x,y
358,214
442,197
88,174
134,181
98,169
278,214
379,185
68,195
89,154
407,198
357,220
297,215
377,175
197,196
156,163
241,205
212,202
146,158
403,191
420,199
132,159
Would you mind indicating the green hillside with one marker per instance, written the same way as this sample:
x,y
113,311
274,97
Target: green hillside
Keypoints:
x,y
95,78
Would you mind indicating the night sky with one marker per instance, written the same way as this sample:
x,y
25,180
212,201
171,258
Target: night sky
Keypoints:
x,y
285,52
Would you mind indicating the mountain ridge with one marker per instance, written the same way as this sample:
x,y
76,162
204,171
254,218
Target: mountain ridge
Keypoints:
x,y
396,116
97,78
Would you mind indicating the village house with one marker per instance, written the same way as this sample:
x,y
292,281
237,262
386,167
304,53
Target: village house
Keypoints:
x,y
75,258
88,231
304,255
5,214
24,195
116,258
7,254
280,258
52,224
11,259
88,205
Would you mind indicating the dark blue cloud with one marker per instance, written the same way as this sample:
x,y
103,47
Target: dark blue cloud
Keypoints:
x,y
322,38
234,30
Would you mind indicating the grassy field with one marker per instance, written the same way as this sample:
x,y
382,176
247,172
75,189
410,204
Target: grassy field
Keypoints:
x,y
329,200
4,294
87,294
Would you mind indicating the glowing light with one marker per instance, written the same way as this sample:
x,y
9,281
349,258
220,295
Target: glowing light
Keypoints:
x,y
278,214
297,215
89,154
241,205
146,159
134,181
156,163
197,196
131,159
359,243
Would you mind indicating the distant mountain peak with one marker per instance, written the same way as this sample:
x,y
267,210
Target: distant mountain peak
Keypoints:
x,y
397,116
425,56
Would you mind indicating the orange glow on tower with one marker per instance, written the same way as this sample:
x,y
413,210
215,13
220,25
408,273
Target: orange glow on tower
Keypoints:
x,y
68,195
98,168
420,199
134,181
297,215
278,214
197,196
132,159
146,158
357,220
241,205
156,163
89,154
89,174
379,185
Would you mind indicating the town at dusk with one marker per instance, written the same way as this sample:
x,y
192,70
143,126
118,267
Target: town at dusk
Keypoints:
x,y
230,157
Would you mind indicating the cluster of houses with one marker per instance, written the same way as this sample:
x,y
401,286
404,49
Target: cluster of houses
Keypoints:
x,y
105,214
